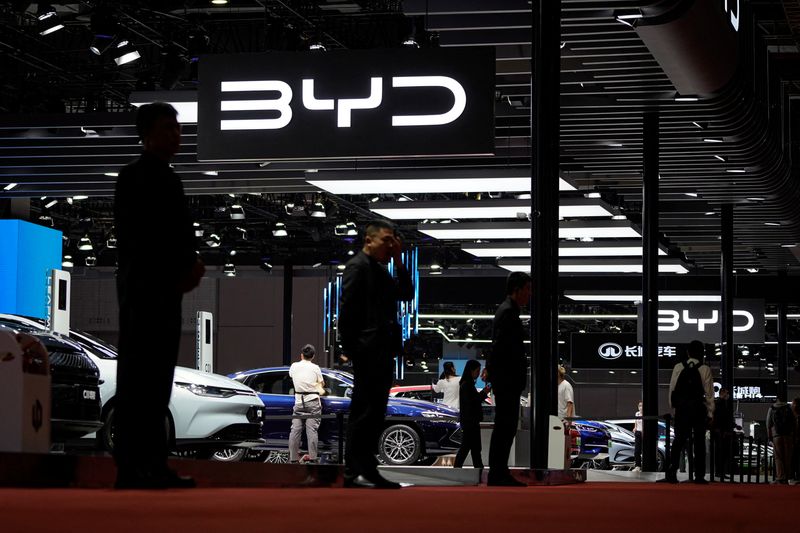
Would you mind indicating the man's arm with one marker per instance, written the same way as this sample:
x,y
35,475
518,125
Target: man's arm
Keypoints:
x,y
353,304
673,382
708,387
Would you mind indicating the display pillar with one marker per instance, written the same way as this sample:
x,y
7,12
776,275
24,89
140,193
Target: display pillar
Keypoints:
x,y
288,283
650,195
545,114
726,283
783,352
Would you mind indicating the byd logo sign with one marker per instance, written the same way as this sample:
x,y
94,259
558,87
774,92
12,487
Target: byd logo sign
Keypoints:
x,y
343,107
682,322
732,10
346,104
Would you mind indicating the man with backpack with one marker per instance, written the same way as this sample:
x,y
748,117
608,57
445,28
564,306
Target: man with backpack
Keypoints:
x,y
781,430
691,395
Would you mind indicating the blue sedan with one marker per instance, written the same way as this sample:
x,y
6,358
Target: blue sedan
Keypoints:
x,y
416,430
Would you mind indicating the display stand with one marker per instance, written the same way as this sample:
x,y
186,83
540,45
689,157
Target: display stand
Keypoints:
x,y
24,394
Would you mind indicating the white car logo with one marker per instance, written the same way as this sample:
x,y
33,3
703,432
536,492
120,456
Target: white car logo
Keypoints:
x,y
610,351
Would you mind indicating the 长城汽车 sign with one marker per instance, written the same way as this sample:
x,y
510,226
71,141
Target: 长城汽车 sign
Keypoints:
x,y
340,104
684,322
616,351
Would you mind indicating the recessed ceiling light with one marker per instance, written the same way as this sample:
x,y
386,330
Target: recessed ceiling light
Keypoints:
x,y
697,124
710,213
752,270
111,174
79,197
756,199
614,145
772,223
51,203
592,195
211,173
735,171
692,194
9,186
686,99
788,245
723,159
712,140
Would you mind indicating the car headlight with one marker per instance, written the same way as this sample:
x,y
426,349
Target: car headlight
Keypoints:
x,y
206,390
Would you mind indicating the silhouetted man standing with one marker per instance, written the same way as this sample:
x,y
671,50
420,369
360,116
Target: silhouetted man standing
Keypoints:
x,y
691,394
371,338
507,370
157,264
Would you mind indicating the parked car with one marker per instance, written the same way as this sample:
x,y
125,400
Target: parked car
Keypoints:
x,y
622,446
75,395
417,430
210,415
589,441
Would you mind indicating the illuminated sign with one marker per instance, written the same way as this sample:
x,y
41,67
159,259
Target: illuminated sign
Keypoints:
x,y
28,254
683,322
368,103
615,350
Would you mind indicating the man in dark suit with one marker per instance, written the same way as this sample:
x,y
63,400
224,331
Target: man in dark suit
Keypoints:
x,y
507,371
157,264
371,338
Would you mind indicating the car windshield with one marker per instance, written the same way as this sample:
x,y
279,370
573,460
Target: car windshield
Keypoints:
x,y
98,347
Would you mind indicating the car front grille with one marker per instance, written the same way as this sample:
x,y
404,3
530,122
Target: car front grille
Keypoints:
x,y
239,432
71,360
68,402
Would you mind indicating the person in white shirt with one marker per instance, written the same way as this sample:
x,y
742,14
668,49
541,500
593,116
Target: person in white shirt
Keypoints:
x,y
638,427
691,395
566,396
448,385
308,387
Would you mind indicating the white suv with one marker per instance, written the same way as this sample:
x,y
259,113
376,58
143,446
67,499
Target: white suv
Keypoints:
x,y
213,415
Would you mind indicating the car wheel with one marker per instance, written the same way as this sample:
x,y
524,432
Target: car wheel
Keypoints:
x,y
277,457
106,434
228,455
400,445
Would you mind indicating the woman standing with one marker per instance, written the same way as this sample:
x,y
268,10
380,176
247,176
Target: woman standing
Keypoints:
x,y
471,415
448,385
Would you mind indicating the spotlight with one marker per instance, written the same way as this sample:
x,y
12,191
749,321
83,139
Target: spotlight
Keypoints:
x,y
198,231
9,186
125,53
91,261
289,208
229,270
49,22
317,211
67,262
317,46
101,43
265,266
85,243
341,266
351,252
232,253
410,43
111,242
351,229
213,240
280,230
51,203
237,212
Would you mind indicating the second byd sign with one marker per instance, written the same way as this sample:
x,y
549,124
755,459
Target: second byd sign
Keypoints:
x,y
684,322
342,104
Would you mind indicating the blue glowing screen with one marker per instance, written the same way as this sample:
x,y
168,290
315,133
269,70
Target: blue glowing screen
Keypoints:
x,y
28,253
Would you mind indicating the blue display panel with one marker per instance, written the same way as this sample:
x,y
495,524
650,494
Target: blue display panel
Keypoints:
x,y
27,255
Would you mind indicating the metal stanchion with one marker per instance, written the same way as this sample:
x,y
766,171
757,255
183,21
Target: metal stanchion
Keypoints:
x,y
340,425
712,456
758,464
749,459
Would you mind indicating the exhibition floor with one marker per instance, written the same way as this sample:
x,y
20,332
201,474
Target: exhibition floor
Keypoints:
x,y
599,506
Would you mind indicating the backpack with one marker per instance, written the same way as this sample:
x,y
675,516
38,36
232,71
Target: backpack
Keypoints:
x,y
783,420
688,393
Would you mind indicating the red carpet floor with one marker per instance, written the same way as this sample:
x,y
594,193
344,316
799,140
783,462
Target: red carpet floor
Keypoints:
x,y
591,507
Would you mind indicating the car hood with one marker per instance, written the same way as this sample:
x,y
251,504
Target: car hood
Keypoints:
x,y
406,404
190,375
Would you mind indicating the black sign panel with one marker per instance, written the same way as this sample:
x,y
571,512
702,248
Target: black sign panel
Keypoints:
x,y
752,390
368,103
684,322
616,351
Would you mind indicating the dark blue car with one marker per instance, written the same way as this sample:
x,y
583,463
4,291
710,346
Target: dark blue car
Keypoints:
x,y
416,431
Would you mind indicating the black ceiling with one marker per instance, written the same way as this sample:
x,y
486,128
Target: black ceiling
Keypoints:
x,y
52,86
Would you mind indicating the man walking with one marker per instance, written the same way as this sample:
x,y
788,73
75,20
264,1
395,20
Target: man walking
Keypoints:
x,y
691,395
151,219
781,430
506,369
371,338
308,388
